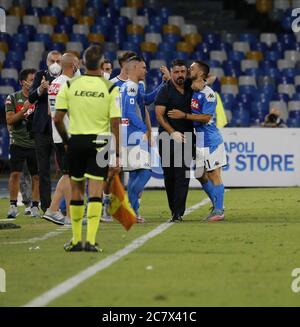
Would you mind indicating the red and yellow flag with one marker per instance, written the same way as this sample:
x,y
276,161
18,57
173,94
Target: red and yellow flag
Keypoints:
x,y
120,207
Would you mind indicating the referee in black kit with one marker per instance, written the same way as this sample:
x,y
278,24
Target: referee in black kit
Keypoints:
x,y
176,93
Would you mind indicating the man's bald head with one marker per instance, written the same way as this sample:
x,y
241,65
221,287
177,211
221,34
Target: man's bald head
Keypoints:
x,y
68,60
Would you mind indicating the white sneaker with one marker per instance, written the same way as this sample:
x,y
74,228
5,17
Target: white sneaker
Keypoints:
x,y
27,211
35,212
12,212
56,217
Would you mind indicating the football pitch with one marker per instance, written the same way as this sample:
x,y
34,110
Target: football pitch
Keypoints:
x,y
246,260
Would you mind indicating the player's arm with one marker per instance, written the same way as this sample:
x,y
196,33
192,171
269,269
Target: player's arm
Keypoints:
x,y
115,117
38,87
130,102
61,108
11,116
201,118
160,116
150,97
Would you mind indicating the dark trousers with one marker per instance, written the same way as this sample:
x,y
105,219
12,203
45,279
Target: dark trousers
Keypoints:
x,y
44,147
176,181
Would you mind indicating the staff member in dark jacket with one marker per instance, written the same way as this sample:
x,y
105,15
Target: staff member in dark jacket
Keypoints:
x,y
41,128
176,93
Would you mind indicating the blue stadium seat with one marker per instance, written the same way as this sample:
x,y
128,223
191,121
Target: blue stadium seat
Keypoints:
x,y
248,89
111,55
110,13
171,38
241,117
283,79
166,47
116,4
286,23
273,55
212,38
35,11
9,63
259,46
280,97
15,56
163,55
45,38
293,122
198,55
203,47
248,37
181,55
294,114
152,29
236,55
28,30
245,98
221,46
272,72
289,72
288,40
278,46
10,82
147,56
265,64
257,72
144,11
104,21
59,46
115,72
158,21
164,12
100,29
267,89
213,63
228,100
67,29
296,97
154,73
135,38
131,46
53,11
74,37
67,20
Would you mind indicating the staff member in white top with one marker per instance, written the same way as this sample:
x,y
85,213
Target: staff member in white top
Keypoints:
x,y
70,68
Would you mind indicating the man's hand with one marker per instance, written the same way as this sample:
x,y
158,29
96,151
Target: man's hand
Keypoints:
x,y
178,137
176,114
44,85
166,74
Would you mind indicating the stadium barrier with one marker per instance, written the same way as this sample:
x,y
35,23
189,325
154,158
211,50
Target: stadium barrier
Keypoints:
x,y
257,157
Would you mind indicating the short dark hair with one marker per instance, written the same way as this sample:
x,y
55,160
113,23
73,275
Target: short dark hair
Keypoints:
x,y
92,56
125,56
106,61
178,62
203,66
25,72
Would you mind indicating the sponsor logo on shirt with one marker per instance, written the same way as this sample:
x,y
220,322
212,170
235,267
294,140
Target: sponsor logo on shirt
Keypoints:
x,y
53,89
195,104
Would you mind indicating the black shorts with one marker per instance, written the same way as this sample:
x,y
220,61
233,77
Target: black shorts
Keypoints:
x,y
61,157
82,158
19,155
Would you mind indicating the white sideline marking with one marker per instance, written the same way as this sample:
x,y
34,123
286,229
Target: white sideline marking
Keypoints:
x,y
73,282
45,237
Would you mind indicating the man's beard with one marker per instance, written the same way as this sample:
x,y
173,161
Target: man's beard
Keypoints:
x,y
180,81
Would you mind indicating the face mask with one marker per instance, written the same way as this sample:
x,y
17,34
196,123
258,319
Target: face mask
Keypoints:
x,y
77,73
55,69
106,75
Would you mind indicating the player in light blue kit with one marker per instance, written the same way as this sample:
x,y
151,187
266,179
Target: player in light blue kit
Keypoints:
x,y
136,130
210,150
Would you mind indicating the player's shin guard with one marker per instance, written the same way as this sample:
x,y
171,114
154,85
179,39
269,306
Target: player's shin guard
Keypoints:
x,y
209,190
219,196
76,212
93,217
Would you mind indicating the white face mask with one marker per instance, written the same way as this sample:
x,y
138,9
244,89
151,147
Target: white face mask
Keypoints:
x,y
77,73
106,75
55,69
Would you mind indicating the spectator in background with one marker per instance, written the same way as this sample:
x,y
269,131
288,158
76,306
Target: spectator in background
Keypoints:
x,y
41,127
18,109
273,119
106,68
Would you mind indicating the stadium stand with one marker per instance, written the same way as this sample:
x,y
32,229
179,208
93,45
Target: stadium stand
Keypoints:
x,y
260,63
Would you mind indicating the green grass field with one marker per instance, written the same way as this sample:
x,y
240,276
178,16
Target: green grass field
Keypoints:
x,y
246,260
